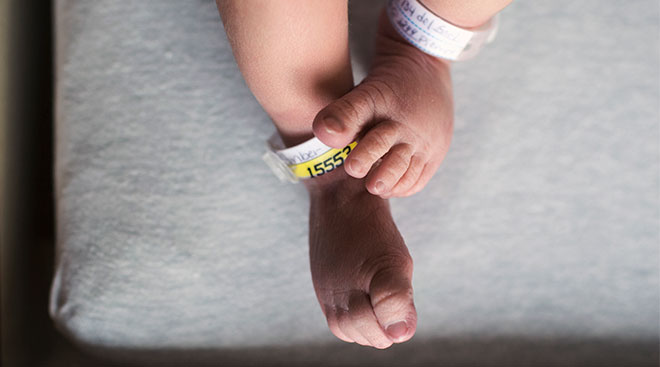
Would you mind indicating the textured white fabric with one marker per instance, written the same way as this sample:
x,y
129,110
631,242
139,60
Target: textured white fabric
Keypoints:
x,y
542,223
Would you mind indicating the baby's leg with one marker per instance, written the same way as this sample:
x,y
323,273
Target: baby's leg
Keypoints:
x,y
294,57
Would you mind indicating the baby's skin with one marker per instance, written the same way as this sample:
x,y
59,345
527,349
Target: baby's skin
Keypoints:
x,y
361,268
402,117
401,114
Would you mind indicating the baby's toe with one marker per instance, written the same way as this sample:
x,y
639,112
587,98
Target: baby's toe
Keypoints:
x,y
365,322
428,171
392,301
348,328
331,315
395,163
410,178
375,144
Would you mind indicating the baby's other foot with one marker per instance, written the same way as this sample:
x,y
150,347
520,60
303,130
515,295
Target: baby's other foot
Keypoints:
x,y
361,268
401,114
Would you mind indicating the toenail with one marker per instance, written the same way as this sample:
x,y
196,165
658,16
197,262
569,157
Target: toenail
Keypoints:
x,y
332,125
397,330
380,186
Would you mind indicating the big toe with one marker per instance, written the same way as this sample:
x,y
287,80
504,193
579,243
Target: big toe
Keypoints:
x,y
332,131
391,296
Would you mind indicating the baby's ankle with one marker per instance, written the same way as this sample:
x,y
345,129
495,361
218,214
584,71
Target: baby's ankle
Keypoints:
x,y
337,184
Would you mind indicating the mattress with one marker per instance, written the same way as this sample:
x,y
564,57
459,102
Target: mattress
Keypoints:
x,y
536,241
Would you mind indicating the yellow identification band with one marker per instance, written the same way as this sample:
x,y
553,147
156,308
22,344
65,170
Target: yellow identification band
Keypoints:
x,y
322,164
306,160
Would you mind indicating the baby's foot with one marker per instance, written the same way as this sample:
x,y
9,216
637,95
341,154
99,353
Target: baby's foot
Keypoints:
x,y
401,113
361,268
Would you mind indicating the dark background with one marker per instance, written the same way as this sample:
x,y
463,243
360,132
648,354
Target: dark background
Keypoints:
x,y
27,242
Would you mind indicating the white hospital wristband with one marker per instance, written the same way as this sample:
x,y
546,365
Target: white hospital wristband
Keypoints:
x,y
434,35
